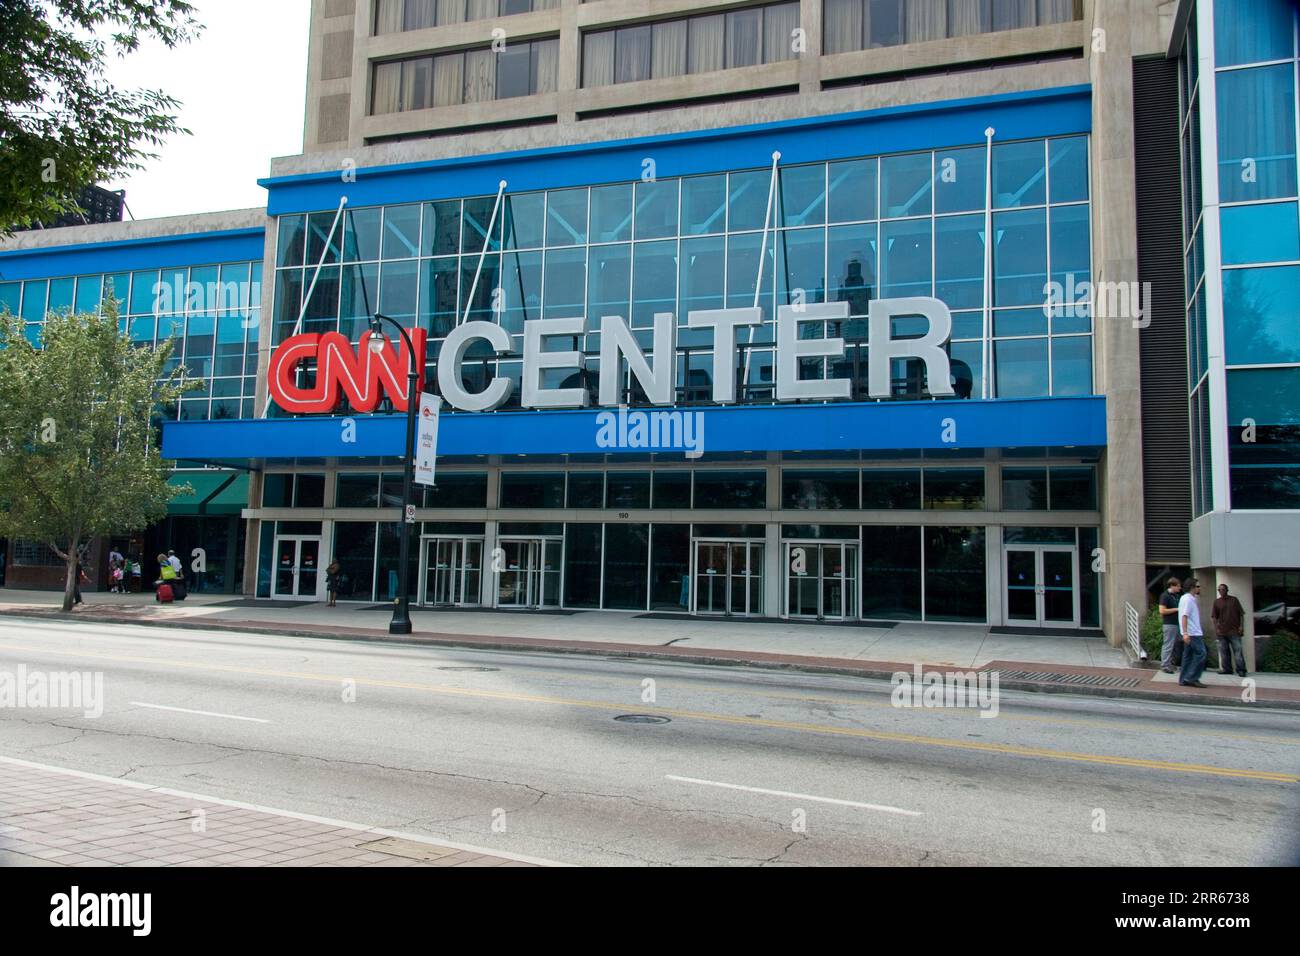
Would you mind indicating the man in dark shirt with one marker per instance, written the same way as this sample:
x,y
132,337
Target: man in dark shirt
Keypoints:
x,y
1229,617
1171,650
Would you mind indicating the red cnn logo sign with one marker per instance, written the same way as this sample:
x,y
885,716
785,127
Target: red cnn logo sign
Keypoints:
x,y
360,373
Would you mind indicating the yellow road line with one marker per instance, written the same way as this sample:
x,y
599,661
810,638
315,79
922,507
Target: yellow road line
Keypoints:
x,y
879,735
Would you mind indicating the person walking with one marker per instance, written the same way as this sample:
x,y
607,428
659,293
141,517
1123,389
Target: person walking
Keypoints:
x,y
1229,618
1189,625
332,574
1171,650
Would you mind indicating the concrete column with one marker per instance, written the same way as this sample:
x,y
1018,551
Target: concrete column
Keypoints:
x,y
810,20
773,570
569,79
1115,346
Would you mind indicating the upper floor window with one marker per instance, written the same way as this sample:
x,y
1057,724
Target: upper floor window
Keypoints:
x,y
397,16
465,76
700,44
865,24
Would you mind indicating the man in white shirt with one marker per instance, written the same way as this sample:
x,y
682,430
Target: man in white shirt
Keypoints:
x,y
1189,625
175,562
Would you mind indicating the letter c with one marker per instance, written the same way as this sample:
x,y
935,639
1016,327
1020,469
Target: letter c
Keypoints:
x,y
452,356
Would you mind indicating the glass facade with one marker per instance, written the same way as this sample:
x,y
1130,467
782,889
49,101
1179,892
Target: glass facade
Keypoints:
x,y
211,313
844,231
1255,84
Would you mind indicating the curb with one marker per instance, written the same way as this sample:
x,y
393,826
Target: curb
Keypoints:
x,y
834,666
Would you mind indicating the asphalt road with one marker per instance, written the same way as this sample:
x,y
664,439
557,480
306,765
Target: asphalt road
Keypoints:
x,y
522,753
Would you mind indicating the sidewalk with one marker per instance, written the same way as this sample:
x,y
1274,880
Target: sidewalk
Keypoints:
x,y
1073,664
50,816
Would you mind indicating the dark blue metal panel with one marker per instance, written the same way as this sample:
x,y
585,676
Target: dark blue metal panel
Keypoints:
x,y
160,252
1001,423
893,129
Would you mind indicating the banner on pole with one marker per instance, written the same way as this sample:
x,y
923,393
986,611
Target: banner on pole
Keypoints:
x,y
426,437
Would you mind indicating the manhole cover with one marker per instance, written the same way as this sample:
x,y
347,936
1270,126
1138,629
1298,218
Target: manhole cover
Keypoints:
x,y
479,669
642,719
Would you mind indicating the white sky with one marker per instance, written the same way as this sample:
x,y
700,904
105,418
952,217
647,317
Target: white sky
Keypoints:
x,y
241,85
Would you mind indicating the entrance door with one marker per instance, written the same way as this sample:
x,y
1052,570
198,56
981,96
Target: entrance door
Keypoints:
x,y
297,567
728,577
1040,585
821,580
530,572
451,568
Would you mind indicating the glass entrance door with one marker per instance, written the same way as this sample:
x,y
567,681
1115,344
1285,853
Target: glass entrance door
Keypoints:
x,y
728,578
529,575
451,569
1040,586
821,580
297,567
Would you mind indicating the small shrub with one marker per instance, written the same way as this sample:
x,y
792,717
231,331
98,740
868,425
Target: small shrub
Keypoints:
x,y
1153,635
1283,653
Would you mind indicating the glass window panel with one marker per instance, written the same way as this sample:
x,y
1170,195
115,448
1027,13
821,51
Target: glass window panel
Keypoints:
x,y
525,220
290,240
598,58
143,293
1024,489
521,288
627,489
361,234
359,299
905,185
632,54
323,240
1257,133
88,293
702,275
891,489
955,574
1074,489
481,306
852,190
401,231
800,263
1007,322
654,281
748,201
566,217
398,286
441,228
959,179
905,258
477,217
34,293
707,43
704,204
885,23
611,213
959,261
456,489
670,562
1020,367
1263,233
743,254
480,76
586,489
730,489
609,282
61,294
954,489
1262,315
819,489
1071,261
779,23
513,71
1068,168
843,28
565,283
656,208
851,259
582,562
357,490
803,195
11,294
672,489
627,566
669,45
1018,174
744,38
1252,31
891,572
1019,257
1071,366
532,489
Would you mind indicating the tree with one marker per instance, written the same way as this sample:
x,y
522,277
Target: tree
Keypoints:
x,y
63,126
79,454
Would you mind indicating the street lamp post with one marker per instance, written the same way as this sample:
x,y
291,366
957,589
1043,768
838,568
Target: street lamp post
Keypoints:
x,y
401,622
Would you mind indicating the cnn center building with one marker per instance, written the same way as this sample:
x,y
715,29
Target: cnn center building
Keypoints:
x,y
837,311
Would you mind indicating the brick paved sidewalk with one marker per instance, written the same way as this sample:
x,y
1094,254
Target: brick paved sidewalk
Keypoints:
x,y
55,817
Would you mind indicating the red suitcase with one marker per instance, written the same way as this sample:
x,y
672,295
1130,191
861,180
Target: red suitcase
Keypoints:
x,y
165,595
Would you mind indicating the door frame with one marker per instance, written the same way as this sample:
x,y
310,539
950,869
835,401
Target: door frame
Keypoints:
x,y
298,540
849,590
1040,586
429,542
752,580
540,541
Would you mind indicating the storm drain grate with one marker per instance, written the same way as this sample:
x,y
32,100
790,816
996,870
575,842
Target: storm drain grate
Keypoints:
x,y
1078,680
642,719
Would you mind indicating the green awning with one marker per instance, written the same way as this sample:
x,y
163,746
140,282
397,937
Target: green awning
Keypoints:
x,y
215,493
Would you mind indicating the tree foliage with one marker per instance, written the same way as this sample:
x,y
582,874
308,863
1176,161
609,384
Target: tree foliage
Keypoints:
x,y
63,125
79,452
